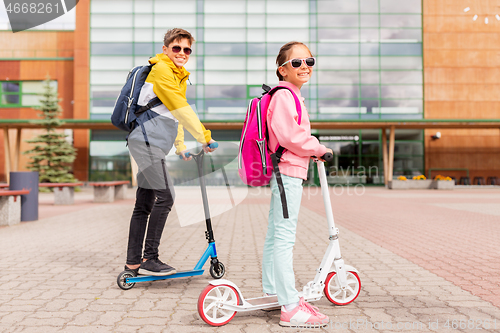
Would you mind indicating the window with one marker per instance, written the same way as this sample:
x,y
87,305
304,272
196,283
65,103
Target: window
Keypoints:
x,y
21,93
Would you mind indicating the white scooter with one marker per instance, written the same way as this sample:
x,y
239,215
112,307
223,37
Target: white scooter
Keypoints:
x,y
221,299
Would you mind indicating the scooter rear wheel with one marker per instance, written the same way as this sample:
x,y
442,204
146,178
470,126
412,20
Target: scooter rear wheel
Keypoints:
x,y
338,296
210,299
120,280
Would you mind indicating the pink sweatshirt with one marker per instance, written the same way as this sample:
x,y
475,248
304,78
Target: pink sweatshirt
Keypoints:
x,y
282,120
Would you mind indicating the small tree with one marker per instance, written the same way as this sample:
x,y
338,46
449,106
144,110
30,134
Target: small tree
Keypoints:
x,y
52,156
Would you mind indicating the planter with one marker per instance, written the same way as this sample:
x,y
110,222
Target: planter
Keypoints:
x,y
444,184
421,184
410,184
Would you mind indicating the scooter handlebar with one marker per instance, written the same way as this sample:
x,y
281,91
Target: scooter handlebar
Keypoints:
x,y
211,146
327,157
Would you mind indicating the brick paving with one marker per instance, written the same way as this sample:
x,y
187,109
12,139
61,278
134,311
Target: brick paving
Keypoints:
x,y
425,257
453,234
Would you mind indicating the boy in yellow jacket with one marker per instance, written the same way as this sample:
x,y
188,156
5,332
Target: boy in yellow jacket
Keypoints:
x,y
148,144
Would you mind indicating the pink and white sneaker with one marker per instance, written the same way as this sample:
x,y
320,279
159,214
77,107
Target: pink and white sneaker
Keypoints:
x,y
304,315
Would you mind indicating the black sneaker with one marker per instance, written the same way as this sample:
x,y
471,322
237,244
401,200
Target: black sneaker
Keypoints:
x,y
163,265
155,267
135,271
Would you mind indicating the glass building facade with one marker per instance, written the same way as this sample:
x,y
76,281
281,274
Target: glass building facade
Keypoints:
x,y
369,62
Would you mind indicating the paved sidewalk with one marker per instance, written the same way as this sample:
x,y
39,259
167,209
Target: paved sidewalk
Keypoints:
x,y
58,274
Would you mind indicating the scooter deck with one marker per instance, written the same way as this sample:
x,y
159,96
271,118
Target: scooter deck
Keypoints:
x,y
145,278
271,300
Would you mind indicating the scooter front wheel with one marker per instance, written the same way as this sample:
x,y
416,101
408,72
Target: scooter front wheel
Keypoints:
x,y
209,301
336,294
219,271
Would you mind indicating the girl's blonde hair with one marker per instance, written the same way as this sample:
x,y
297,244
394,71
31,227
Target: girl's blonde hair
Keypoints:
x,y
283,55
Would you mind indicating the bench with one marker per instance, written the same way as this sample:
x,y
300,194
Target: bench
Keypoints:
x,y
109,191
10,206
64,193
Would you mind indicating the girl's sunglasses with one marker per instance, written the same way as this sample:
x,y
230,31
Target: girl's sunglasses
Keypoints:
x,y
296,63
177,49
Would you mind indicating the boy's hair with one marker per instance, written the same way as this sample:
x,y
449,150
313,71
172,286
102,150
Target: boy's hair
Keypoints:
x,y
177,34
283,55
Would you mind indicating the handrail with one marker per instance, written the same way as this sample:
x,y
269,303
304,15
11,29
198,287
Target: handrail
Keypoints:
x,y
447,169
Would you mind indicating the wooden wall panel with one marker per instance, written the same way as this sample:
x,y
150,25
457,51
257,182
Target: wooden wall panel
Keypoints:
x,y
462,81
36,44
9,70
81,72
462,110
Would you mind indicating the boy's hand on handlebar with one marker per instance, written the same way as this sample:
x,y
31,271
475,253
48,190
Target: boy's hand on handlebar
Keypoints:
x,y
184,156
208,149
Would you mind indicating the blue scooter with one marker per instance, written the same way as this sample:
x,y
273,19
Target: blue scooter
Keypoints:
x,y
127,279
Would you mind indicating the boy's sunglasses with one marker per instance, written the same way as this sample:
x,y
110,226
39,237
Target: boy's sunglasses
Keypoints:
x,y
177,49
296,63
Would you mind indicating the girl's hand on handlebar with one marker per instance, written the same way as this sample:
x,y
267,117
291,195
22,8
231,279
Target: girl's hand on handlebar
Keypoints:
x,y
184,156
328,150
208,149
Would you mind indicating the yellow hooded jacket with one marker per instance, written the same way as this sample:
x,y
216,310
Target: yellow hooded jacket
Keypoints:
x,y
169,83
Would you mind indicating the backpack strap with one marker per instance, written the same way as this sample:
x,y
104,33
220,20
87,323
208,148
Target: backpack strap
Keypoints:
x,y
152,103
296,99
276,159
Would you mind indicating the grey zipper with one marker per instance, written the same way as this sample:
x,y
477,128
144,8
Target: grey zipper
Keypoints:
x,y
131,100
244,133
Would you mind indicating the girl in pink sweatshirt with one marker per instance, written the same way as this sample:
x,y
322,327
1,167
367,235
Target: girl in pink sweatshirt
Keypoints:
x,y
295,66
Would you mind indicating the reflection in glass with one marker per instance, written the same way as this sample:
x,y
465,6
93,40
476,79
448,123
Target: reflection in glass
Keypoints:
x,y
411,49
338,103
401,21
370,49
10,87
338,92
411,34
287,21
370,91
10,99
368,6
225,48
224,21
398,6
342,21
336,34
401,62
402,91
225,91
414,77
111,48
370,105
143,49
338,49
369,21
369,62
326,62
369,35
370,77
337,6
338,77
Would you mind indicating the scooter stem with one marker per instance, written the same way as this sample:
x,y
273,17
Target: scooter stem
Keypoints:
x,y
326,199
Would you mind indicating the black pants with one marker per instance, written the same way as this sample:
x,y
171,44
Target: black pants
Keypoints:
x,y
155,203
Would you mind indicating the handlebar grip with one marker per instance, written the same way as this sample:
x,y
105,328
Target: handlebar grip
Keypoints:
x,y
327,157
187,154
213,145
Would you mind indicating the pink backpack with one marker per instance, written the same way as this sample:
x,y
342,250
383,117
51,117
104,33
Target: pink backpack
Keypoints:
x,y
255,162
